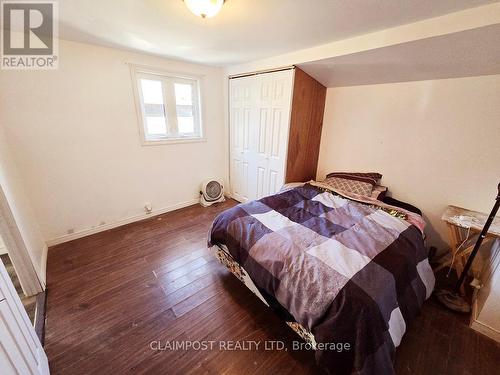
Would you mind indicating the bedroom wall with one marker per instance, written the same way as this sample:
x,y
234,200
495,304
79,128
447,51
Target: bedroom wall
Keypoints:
x,y
435,142
75,138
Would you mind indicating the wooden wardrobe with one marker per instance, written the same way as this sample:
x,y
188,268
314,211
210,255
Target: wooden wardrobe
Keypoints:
x,y
275,131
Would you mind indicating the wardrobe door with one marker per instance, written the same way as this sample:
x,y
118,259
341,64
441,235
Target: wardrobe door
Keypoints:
x,y
241,91
272,108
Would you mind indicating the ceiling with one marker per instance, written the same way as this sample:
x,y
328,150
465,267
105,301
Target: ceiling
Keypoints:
x,y
245,30
462,54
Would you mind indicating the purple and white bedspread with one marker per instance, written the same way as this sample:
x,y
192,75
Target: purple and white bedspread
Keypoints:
x,y
347,269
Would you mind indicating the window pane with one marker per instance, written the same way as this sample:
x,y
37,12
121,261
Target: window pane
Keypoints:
x,y
185,118
184,111
183,94
186,125
157,110
154,107
152,92
156,125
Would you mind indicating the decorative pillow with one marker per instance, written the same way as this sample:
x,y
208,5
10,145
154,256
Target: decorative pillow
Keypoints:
x,y
350,186
372,177
379,192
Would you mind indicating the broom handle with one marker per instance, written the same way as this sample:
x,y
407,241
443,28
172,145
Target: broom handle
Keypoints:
x,y
479,241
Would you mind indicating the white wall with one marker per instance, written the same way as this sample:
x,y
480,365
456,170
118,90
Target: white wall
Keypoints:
x,y
77,141
436,142
12,186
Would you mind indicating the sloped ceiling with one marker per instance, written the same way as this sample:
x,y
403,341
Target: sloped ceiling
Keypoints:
x,y
468,53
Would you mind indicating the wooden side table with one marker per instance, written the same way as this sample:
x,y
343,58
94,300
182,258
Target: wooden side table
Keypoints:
x,y
461,222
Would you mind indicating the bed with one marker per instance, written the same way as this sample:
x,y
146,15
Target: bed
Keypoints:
x,y
346,272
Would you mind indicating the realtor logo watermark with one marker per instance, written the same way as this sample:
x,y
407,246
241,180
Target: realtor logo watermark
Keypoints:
x,y
29,35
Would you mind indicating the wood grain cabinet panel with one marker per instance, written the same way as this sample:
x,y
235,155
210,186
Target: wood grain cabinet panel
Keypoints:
x,y
306,122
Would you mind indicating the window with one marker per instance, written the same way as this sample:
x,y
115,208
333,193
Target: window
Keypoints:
x,y
168,107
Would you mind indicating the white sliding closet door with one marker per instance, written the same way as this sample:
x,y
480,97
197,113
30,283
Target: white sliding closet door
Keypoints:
x,y
272,108
240,107
259,123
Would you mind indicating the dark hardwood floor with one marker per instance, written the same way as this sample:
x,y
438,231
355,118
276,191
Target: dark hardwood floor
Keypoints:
x,y
111,294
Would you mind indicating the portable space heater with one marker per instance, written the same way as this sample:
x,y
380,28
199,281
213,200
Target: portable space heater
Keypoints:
x,y
211,191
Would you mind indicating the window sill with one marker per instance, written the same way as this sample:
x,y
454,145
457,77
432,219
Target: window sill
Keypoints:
x,y
171,141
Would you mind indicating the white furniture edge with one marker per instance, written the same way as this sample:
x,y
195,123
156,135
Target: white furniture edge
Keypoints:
x,y
18,252
20,328
481,327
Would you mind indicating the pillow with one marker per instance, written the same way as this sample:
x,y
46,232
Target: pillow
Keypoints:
x,y
350,186
379,192
371,177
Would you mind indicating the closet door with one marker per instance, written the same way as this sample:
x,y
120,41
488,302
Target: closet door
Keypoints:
x,y
241,93
272,107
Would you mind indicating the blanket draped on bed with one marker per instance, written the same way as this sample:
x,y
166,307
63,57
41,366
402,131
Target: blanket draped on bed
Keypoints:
x,y
348,271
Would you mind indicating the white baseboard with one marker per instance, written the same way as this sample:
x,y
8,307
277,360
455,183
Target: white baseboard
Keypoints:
x,y
101,228
486,330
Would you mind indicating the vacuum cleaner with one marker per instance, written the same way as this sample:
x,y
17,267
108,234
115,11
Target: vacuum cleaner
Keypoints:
x,y
452,299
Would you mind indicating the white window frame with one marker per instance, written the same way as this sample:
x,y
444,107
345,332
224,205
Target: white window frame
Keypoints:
x,y
168,78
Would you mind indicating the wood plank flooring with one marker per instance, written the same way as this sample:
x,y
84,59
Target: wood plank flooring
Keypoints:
x,y
111,294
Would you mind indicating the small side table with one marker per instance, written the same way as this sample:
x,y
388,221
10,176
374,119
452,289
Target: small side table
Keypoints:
x,y
460,221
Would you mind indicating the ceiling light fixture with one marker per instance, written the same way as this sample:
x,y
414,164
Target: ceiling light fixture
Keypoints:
x,y
204,8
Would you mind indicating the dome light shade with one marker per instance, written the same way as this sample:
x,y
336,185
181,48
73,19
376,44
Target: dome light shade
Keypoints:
x,y
204,8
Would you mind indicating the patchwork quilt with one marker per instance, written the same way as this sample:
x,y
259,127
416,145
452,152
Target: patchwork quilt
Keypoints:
x,y
348,269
